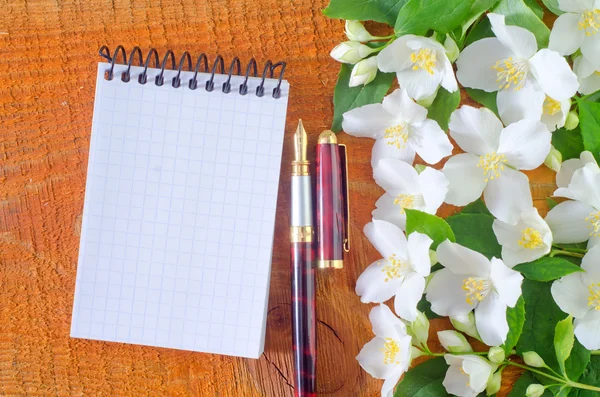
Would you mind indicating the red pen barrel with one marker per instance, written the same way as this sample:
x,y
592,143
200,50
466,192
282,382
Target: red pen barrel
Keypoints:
x,y
330,203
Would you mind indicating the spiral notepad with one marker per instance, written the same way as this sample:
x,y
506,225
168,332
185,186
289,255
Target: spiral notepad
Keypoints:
x,y
180,201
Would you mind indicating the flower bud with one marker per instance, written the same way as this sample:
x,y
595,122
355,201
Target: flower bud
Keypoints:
x,y
494,383
426,102
553,159
420,167
415,353
451,48
496,355
454,342
363,72
535,390
466,323
350,52
420,329
572,120
355,31
533,359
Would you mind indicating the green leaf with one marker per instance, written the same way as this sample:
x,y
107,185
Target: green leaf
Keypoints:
x,y
480,31
589,122
487,99
552,5
537,9
517,13
442,107
475,231
520,386
564,338
476,11
568,143
384,11
476,207
591,376
551,202
420,16
516,318
425,307
547,268
431,225
424,380
346,98
538,329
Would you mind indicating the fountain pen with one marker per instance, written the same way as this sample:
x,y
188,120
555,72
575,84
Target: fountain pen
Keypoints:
x,y
303,271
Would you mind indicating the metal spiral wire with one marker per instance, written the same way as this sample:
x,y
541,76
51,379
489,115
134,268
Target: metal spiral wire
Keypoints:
x,y
202,64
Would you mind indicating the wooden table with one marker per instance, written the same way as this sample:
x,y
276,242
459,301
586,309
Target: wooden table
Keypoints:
x,y
48,55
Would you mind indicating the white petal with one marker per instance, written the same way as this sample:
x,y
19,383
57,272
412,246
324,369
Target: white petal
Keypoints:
x,y
582,67
372,286
566,37
371,358
479,370
396,56
508,235
476,131
585,185
519,40
508,195
474,65
462,260
590,84
367,121
396,177
576,6
553,74
446,295
434,186
570,294
466,180
418,253
429,141
567,169
490,319
513,257
385,323
409,294
591,49
448,78
525,144
455,382
401,105
387,390
417,42
587,330
526,103
567,221
507,282
591,264
419,83
386,238
592,242
383,149
388,211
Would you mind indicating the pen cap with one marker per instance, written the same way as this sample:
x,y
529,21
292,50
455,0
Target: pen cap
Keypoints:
x,y
331,202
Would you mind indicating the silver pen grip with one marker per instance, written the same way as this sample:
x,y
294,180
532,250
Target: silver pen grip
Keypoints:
x,y
301,201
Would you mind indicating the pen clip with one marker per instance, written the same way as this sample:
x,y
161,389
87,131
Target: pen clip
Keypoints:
x,y
343,152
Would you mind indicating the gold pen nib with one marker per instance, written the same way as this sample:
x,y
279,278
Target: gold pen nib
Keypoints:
x,y
300,143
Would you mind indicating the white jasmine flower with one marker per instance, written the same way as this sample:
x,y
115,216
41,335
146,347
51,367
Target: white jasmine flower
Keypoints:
x,y
355,31
454,342
401,272
555,113
528,240
388,355
407,189
492,160
577,28
578,220
350,52
470,281
529,82
588,75
420,64
568,168
400,127
363,72
578,294
467,376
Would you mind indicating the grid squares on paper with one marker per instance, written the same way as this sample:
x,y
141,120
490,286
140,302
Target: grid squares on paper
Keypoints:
x,y
179,216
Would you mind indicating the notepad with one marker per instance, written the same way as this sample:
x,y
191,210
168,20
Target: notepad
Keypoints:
x,y
179,213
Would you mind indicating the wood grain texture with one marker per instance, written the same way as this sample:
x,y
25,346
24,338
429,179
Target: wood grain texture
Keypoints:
x,y
47,71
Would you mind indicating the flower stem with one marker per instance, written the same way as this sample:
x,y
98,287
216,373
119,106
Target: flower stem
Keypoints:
x,y
595,352
565,253
545,374
571,249
429,353
393,37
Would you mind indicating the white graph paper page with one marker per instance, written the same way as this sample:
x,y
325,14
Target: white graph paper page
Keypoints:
x,y
179,214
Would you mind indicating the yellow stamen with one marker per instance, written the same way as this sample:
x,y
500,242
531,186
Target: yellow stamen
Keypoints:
x,y
590,22
509,73
390,351
476,289
394,268
462,371
423,59
594,297
531,238
405,201
492,164
551,106
397,136
594,220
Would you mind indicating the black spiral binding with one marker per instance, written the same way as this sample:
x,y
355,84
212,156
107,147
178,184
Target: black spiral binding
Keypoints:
x,y
218,66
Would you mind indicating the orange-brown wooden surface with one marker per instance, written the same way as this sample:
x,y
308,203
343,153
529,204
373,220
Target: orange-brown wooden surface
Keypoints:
x,y
47,71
